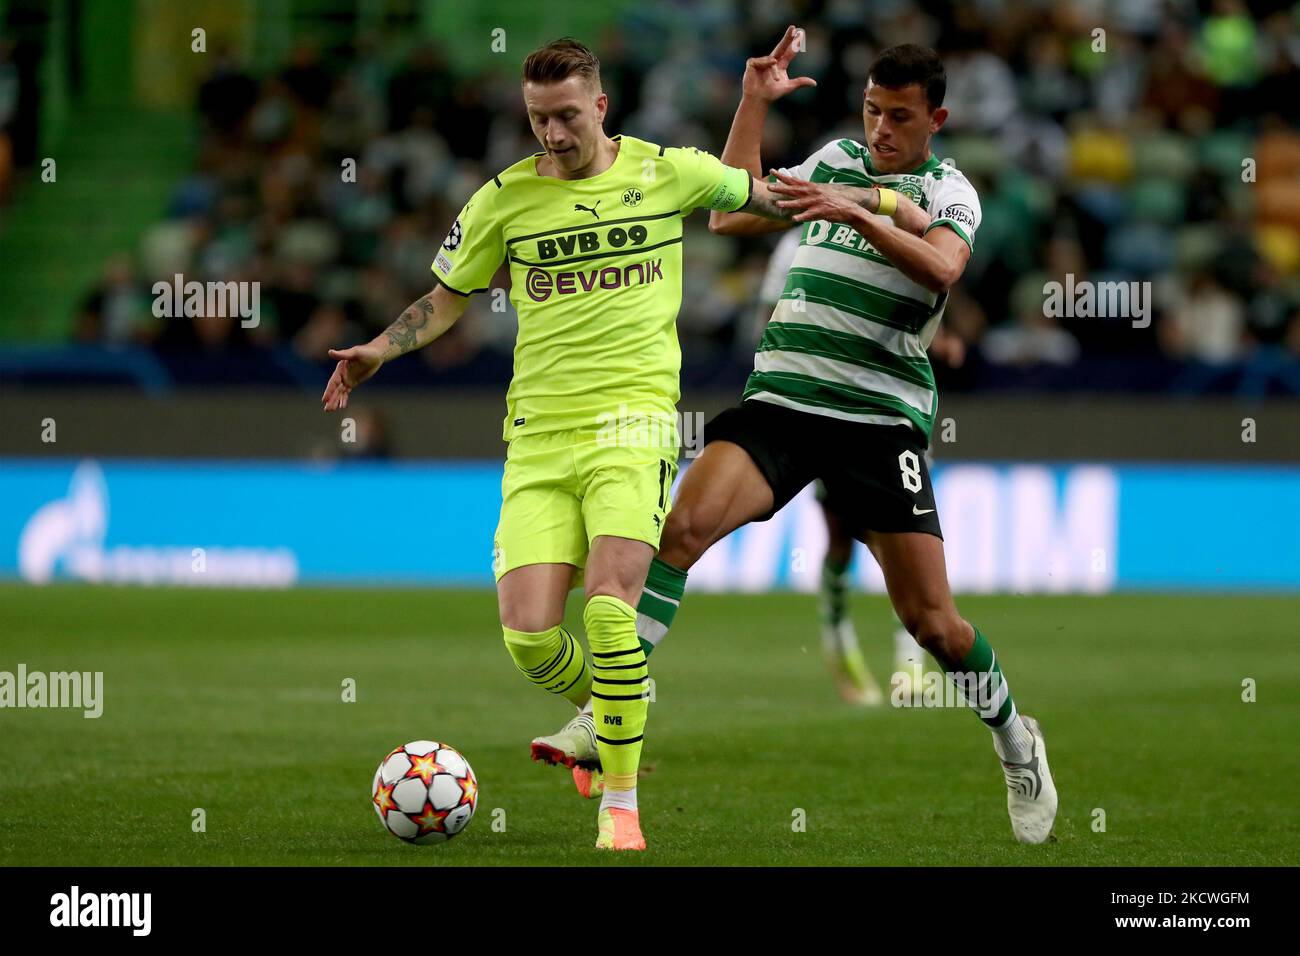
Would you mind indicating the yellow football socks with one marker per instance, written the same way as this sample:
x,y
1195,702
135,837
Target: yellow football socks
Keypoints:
x,y
619,692
553,660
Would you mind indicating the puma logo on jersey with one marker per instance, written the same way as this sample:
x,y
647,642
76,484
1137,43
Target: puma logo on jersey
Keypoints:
x,y
590,209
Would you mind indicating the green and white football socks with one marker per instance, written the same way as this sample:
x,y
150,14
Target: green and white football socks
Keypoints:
x,y
660,598
979,678
1018,741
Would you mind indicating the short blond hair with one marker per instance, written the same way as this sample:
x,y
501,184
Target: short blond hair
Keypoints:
x,y
559,60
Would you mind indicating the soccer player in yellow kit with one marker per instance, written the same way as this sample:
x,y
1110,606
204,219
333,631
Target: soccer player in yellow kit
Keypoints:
x,y
592,229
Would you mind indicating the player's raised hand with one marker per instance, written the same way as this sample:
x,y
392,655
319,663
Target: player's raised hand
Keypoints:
x,y
767,77
355,366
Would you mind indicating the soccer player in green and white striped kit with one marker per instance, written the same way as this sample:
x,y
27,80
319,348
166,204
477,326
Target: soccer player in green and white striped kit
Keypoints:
x,y
842,389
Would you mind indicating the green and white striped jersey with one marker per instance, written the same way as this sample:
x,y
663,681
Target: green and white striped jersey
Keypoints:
x,y
848,336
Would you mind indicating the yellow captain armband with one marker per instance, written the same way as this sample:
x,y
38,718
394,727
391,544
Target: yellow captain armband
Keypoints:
x,y
888,201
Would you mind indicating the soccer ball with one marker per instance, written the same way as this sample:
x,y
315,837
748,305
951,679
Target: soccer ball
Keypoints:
x,y
424,792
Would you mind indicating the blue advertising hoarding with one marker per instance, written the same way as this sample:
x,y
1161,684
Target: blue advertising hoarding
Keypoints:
x,y
1008,527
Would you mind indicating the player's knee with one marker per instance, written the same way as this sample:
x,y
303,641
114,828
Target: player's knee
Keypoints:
x,y
527,618
624,586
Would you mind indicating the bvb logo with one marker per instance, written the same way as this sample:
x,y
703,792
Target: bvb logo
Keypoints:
x,y
453,238
632,197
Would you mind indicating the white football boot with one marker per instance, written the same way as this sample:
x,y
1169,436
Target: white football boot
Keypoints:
x,y
1031,794
572,746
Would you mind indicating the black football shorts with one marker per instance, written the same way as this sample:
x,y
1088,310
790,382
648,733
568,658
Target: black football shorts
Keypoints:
x,y
875,476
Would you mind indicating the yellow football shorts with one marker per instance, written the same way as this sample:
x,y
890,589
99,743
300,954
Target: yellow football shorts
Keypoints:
x,y
563,488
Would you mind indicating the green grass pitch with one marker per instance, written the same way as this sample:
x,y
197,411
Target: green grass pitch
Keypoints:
x,y
231,701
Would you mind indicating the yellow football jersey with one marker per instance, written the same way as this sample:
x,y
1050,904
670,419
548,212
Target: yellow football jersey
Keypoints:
x,y
595,277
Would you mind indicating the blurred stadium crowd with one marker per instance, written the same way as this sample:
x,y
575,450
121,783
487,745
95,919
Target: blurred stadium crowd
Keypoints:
x,y
1150,140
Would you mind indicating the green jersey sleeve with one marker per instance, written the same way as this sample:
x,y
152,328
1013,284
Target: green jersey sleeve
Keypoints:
x,y
474,248
705,181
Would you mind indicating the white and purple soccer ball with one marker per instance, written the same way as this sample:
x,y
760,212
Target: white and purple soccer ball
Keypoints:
x,y
424,792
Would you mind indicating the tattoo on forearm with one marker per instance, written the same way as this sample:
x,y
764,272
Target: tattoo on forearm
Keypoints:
x,y
405,332
764,204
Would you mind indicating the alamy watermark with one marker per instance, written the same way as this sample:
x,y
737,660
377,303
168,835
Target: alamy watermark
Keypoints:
x,y
1098,300
78,690
981,690
651,429
208,300
129,910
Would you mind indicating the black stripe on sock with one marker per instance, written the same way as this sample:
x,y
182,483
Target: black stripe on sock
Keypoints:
x,y
617,667
543,668
634,680
574,681
633,650
617,697
551,672
619,743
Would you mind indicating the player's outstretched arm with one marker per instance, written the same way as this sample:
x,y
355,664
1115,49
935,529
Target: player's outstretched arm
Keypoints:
x,y
423,321
766,79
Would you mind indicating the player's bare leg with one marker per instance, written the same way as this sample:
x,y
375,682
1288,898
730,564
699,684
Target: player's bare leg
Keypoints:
x,y
532,597
917,579
719,493
853,678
